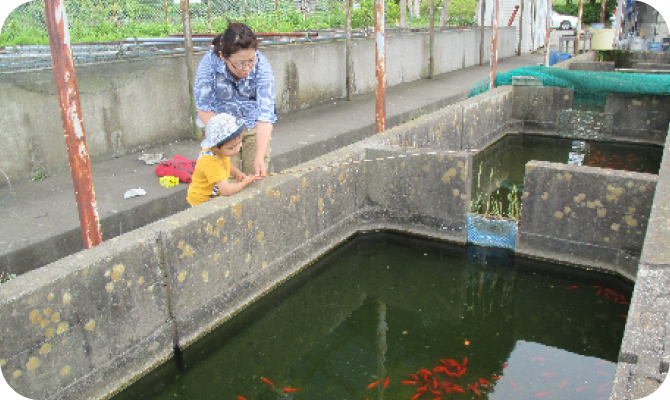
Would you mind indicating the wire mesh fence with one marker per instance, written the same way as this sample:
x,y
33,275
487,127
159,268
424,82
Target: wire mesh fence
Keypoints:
x,y
107,20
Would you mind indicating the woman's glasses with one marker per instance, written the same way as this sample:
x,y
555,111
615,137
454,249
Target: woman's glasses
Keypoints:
x,y
243,64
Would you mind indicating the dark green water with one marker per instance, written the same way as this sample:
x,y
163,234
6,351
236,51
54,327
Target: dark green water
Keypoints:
x,y
385,305
498,171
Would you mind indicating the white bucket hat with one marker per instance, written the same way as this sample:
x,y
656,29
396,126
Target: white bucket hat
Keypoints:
x,y
222,128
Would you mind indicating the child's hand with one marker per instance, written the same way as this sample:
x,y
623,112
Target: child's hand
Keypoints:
x,y
240,176
247,179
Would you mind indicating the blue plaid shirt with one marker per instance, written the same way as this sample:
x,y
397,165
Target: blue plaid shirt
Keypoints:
x,y
251,98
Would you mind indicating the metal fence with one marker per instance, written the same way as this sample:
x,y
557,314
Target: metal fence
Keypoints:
x,y
89,14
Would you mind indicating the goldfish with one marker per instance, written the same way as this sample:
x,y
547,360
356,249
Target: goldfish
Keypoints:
x,y
373,384
267,381
416,378
514,386
572,287
563,383
241,398
548,374
539,359
541,394
386,382
288,390
410,382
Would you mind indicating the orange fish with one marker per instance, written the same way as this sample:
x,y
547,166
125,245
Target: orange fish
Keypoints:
x,y
241,398
386,382
289,390
548,374
474,389
410,382
514,386
603,373
373,384
601,362
562,385
539,359
581,388
504,365
495,378
416,378
465,361
572,287
436,392
416,396
424,374
541,394
602,390
268,381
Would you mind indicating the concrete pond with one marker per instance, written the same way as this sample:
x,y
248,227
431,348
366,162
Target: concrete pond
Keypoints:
x,y
87,325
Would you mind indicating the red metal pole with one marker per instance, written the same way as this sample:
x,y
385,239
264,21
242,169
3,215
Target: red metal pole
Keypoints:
x,y
380,68
579,27
602,14
73,124
494,46
511,19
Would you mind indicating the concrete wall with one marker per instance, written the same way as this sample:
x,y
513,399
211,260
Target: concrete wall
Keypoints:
x,y
586,216
129,105
643,119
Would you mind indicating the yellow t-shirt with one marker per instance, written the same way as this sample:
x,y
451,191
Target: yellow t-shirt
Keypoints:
x,y
209,170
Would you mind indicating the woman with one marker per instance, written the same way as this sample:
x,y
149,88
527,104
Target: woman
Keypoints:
x,y
235,78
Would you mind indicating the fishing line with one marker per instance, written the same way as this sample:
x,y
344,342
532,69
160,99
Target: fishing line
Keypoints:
x,y
344,164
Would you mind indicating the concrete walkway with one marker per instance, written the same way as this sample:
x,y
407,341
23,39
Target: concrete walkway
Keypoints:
x,y
40,221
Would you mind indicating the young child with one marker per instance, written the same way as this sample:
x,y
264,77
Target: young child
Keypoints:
x,y
212,170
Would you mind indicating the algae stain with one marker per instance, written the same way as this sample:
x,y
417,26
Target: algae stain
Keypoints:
x,y
237,209
117,272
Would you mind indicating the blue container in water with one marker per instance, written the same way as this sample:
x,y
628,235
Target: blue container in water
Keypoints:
x,y
564,57
553,58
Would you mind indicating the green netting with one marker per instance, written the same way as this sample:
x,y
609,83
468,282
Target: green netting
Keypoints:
x,y
590,87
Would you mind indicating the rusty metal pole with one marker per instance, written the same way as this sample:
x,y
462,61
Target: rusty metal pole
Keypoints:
x,y
167,20
494,45
431,50
73,124
348,50
602,13
116,20
209,16
190,64
579,27
547,39
380,66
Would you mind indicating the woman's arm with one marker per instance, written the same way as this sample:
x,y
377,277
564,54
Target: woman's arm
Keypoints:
x,y
265,99
262,144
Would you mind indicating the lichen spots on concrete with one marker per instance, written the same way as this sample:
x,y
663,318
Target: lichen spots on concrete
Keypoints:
x,y
236,241
567,176
90,325
643,188
65,371
46,347
614,191
260,236
224,240
129,283
558,214
455,192
545,196
237,209
265,264
117,272
50,297
630,184
67,298
44,323
304,183
17,373
559,176
211,230
320,204
579,198
187,251
220,222
109,287
632,222
567,210
602,212
62,328
341,177
227,274
329,191
32,364
448,175
306,234
250,223
3,362
205,276
426,168
182,276
615,227
140,280
35,317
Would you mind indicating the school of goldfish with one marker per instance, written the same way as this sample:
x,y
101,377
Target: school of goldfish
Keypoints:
x,y
445,377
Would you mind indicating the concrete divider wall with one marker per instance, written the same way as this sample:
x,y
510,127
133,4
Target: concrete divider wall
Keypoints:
x,y
587,216
643,361
82,325
536,108
132,104
642,118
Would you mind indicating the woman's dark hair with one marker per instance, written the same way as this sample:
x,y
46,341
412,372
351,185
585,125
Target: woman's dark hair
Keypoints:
x,y
237,36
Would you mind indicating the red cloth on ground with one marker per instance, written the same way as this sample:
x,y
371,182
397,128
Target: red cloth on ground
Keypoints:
x,y
178,166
